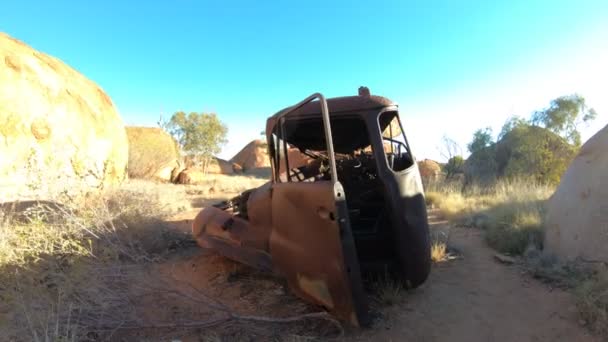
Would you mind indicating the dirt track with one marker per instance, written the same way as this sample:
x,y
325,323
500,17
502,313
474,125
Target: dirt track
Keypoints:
x,y
475,298
472,298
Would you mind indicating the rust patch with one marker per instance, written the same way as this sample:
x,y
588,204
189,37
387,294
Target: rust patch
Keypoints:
x,y
40,129
317,289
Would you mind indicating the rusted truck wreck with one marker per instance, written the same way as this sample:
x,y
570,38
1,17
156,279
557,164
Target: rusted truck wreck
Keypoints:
x,y
345,197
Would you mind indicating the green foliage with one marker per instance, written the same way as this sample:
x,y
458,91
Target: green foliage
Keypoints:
x,y
533,152
454,166
539,149
511,124
481,166
198,134
526,151
564,115
482,138
453,153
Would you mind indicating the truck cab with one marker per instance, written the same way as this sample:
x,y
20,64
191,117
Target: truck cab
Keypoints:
x,y
345,198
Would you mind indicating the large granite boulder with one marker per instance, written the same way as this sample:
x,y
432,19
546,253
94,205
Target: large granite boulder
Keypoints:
x,y
57,128
253,156
191,176
430,170
577,213
199,174
220,166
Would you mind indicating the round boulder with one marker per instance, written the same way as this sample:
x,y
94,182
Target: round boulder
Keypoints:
x,y
220,167
577,213
153,153
429,169
191,176
253,156
57,128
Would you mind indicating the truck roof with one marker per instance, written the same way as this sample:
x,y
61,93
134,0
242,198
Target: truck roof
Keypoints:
x,y
338,105
304,128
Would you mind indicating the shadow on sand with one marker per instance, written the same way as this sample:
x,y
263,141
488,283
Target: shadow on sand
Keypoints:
x,y
135,278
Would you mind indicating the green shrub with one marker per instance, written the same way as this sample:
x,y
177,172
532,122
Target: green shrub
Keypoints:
x,y
524,152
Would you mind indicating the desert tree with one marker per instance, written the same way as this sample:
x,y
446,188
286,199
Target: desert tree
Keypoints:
x,y
564,115
482,138
200,135
512,123
452,152
163,123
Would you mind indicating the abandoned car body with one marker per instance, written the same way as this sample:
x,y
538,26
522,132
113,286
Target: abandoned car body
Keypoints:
x,y
352,201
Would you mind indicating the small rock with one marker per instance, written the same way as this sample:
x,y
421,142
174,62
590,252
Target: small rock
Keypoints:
x,y
505,259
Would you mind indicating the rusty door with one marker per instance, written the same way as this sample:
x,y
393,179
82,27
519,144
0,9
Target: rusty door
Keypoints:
x,y
311,241
312,245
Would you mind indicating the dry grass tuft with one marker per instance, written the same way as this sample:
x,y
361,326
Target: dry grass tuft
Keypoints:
x,y
64,265
388,290
439,252
511,212
87,267
592,304
225,184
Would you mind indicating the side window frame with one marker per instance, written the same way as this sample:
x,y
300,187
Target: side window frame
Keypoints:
x,y
408,150
280,148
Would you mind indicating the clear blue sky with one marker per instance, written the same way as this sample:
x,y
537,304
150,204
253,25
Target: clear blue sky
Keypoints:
x,y
454,66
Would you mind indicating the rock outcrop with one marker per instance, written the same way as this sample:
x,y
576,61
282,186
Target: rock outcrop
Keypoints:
x,y
253,156
429,169
190,176
197,175
220,166
56,126
576,225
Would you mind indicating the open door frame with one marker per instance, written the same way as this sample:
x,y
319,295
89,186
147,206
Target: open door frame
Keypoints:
x,y
321,219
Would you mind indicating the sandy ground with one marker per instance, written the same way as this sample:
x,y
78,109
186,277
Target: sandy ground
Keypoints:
x,y
475,298
470,298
